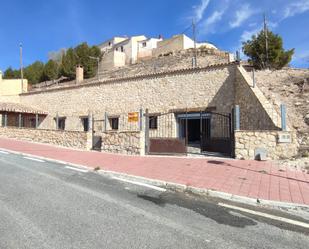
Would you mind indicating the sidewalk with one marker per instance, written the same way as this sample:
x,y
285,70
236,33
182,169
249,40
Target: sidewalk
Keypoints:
x,y
252,179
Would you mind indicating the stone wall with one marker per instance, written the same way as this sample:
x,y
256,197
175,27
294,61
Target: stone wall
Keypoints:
x,y
246,142
256,113
72,139
126,142
162,92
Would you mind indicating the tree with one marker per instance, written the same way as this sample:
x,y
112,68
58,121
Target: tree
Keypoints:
x,y
80,55
83,53
255,49
34,72
11,74
51,70
64,64
68,64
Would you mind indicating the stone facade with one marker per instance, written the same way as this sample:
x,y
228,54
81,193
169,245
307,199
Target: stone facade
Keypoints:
x,y
246,142
206,87
126,142
71,139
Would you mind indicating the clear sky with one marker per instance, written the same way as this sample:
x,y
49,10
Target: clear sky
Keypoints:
x,y
44,26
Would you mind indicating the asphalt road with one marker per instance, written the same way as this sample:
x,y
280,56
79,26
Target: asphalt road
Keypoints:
x,y
48,205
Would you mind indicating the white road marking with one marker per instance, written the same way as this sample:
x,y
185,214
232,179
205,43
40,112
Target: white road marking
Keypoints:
x,y
140,184
273,217
34,159
4,152
77,169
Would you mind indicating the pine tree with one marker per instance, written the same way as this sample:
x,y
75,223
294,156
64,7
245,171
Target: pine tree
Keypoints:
x,y
274,58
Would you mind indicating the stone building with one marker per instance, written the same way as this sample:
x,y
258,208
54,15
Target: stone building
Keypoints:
x,y
212,109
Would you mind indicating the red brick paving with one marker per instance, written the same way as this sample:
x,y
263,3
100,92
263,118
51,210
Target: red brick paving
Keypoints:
x,y
252,179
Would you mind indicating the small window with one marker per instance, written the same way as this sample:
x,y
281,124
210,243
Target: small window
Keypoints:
x,y
61,123
122,49
114,122
85,122
144,44
153,122
109,44
32,123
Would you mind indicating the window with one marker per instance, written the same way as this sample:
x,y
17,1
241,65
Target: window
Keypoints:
x,y
109,44
153,122
144,44
32,122
85,122
114,122
61,123
122,49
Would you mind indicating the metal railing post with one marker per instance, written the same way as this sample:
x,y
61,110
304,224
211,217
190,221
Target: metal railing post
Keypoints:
x,y
146,132
283,117
105,121
36,120
141,119
5,120
57,121
237,118
253,78
19,120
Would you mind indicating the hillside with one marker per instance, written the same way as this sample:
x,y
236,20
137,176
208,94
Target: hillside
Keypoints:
x,y
291,87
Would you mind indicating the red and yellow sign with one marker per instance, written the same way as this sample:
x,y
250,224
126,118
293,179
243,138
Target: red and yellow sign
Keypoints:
x,y
133,117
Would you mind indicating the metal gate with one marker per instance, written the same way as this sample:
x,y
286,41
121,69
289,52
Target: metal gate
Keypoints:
x,y
189,133
217,133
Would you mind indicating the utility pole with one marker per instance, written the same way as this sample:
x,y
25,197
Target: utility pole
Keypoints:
x,y
21,66
194,39
266,40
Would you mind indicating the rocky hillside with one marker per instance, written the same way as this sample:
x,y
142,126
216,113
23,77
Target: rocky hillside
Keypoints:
x,y
291,87
170,61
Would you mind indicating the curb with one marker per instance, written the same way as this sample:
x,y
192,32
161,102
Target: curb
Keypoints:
x,y
180,187
47,159
205,192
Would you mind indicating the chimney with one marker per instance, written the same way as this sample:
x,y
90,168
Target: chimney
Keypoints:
x,y
79,74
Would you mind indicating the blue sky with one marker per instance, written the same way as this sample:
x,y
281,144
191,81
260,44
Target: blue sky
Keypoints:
x,y
44,26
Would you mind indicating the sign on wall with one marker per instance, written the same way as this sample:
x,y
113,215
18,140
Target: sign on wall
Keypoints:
x,y
133,117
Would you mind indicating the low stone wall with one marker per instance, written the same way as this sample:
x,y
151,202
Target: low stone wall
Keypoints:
x,y
126,142
246,142
72,139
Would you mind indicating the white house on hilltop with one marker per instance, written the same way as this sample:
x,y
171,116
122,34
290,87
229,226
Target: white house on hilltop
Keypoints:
x,y
121,51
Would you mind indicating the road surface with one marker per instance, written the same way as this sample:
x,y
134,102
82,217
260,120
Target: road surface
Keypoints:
x,y
49,205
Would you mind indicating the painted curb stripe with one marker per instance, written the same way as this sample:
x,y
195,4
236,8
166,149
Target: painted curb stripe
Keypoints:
x,y
273,217
34,159
76,169
140,184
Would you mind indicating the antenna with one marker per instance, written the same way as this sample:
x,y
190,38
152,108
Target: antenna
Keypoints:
x,y
194,39
266,40
21,66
